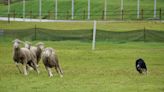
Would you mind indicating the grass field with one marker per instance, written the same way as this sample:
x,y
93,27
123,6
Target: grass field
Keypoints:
x,y
110,68
97,7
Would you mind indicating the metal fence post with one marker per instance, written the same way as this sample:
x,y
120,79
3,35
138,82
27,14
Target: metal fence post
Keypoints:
x,y
94,36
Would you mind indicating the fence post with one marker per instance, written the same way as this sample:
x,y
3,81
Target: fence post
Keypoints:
x,y
160,14
35,33
142,14
94,36
9,18
84,15
30,14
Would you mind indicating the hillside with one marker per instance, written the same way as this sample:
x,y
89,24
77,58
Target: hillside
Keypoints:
x,y
97,7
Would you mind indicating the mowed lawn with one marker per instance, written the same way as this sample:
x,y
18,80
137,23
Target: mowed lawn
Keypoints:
x,y
110,68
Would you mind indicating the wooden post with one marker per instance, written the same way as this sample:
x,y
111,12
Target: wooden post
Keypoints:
x,y
142,14
84,15
8,17
30,14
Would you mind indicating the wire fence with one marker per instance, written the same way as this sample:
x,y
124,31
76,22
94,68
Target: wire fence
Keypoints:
x,y
99,15
82,35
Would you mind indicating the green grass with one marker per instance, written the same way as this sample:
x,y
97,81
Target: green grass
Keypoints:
x,y
110,68
108,26
97,8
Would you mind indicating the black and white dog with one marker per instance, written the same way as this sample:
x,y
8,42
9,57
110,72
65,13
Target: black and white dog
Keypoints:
x,y
141,66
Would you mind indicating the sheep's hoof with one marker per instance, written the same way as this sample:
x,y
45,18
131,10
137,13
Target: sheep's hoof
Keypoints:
x,y
37,66
25,74
38,72
31,69
50,76
61,76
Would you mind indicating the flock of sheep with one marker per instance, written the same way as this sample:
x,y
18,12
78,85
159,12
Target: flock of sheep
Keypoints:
x,y
29,56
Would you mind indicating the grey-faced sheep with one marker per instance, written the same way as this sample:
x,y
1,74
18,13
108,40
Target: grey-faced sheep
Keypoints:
x,y
50,60
23,56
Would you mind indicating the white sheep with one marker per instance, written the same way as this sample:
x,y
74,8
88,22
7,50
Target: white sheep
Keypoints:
x,y
23,56
50,60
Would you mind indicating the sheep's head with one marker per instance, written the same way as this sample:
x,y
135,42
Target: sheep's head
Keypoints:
x,y
27,45
40,45
48,52
16,43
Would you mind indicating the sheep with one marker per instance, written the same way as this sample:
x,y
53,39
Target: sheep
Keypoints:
x,y
141,66
36,51
23,56
50,60
28,46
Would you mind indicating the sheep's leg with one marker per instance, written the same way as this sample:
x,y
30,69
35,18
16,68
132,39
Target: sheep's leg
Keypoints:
x,y
18,67
59,71
49,71
36,67
28,68
24,69
56,69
